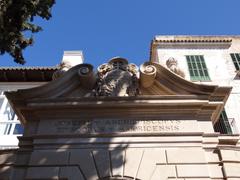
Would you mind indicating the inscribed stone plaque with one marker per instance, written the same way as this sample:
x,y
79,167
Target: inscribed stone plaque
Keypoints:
x,y
112,126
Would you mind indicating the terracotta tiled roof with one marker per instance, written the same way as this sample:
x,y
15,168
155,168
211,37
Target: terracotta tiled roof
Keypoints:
x,y
193,39
26,74
29,68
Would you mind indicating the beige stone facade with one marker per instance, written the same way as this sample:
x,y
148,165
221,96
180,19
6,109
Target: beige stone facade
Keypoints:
x,y
216,51
121,123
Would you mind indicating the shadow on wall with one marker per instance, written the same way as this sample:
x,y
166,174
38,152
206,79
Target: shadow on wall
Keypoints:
x,y
83,157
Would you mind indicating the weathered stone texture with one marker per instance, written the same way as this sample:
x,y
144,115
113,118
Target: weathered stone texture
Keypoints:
x,y
102,159
132,161
195,171
149,160
38,173
7,158
230,155
5,172
162,172
117,160
49,157
71,173
84,160
212,156
186,155
232,170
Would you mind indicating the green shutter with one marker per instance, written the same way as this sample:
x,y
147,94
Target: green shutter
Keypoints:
x,y
222,125
197,68
236,60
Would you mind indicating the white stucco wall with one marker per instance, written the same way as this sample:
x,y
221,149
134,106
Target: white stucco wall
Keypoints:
x,y
220,68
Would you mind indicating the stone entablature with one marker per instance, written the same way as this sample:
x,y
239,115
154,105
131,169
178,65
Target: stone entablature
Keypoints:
x,y
151,125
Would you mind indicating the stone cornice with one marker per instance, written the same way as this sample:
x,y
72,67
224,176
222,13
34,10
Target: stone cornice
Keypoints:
x,y
189,42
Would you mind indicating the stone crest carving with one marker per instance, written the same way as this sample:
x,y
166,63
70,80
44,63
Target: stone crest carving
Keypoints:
x,y
117,78
172,64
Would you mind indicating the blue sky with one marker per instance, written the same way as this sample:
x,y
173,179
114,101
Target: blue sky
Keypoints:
x,y
105,29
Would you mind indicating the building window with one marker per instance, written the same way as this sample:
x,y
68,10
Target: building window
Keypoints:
x,y
236,60
222,125
197,68
18,129
9,123
11,128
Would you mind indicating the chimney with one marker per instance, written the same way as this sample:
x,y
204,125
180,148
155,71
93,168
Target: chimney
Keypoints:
x,y
72,58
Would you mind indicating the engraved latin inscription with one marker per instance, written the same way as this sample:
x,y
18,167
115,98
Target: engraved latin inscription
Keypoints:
x,y
106,126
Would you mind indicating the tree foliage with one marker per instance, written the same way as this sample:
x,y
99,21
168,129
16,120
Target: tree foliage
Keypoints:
x,y
16,18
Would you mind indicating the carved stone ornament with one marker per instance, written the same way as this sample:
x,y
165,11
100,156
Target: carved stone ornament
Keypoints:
x,y
117,78
147,74
172,64
87,76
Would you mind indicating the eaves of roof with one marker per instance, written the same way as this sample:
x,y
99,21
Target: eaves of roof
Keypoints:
x,y
194,41
29,68
26,74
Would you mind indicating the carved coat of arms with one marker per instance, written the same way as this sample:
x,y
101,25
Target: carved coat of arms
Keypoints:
x,y
117,78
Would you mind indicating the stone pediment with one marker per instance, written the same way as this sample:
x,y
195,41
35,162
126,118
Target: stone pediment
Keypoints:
x,y
119,83
151,79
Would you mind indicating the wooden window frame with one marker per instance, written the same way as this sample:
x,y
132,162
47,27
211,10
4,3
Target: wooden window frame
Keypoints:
x,y
236,60
197,68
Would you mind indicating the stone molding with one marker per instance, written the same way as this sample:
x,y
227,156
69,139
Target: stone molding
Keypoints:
x,y
193,42
169,158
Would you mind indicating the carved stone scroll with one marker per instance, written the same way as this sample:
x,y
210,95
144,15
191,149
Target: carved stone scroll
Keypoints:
x,y
147,75
87,76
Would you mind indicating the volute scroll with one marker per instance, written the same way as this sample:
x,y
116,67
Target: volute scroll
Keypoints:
x,y
147,74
